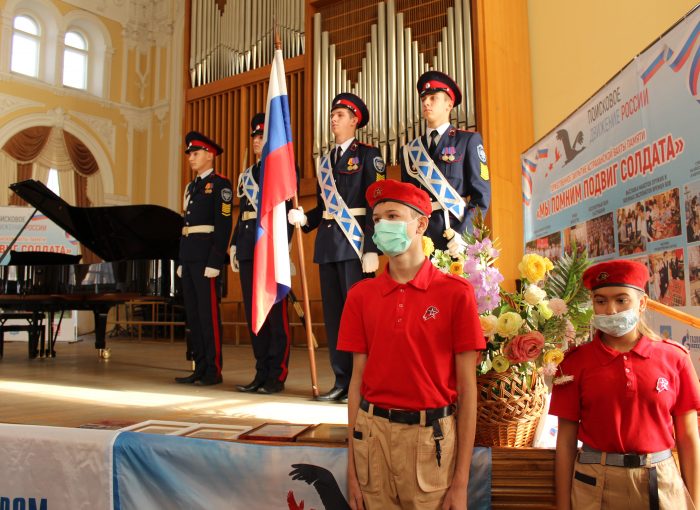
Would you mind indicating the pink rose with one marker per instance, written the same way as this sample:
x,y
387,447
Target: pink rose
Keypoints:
x,y
524,347
558,306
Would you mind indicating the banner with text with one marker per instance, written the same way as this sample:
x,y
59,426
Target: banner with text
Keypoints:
x,y
621,176
41,234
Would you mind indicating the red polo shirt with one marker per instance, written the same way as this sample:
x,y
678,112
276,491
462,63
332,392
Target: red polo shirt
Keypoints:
x,y
411,333
626,401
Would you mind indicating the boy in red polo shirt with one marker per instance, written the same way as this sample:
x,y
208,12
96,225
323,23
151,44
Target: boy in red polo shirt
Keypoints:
x,y
414,333
629,397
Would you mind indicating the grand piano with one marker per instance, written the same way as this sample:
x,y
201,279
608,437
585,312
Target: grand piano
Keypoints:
x,y
139,246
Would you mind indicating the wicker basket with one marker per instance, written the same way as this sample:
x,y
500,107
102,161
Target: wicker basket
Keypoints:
x,y
509,406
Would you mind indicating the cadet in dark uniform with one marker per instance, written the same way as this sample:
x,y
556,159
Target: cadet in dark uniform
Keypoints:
x,y
207,218
271,344
459,160
344,248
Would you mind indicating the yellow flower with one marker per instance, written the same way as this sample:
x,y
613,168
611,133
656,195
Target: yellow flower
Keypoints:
x,y
549,264
488,324
428,246
508,324
533,267
500,364
554,356
456,268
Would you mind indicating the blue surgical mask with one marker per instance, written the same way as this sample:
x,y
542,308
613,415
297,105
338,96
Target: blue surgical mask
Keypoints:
x,y
392,236
617,324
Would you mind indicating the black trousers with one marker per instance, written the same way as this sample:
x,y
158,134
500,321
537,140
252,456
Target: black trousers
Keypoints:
x,y
336,280
271,344
202,297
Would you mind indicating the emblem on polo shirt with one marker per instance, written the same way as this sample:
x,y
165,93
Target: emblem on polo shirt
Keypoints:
x,y
430,313
662,384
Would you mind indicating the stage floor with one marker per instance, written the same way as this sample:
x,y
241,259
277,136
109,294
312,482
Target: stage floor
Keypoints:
x,y
137,384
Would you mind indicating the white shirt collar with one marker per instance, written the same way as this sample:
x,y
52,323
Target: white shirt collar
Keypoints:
x,y
344,146
204,175
440,129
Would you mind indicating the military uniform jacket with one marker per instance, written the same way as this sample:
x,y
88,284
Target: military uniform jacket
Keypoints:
x,y
461,158
359,166
210,202
244,234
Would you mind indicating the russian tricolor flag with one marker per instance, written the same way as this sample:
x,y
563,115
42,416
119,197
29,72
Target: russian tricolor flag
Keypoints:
x,y
271,276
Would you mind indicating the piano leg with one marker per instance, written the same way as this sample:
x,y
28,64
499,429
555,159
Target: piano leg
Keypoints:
x,y
100,314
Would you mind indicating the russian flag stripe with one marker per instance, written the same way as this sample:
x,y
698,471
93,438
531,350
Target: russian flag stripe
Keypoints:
x,y
271,276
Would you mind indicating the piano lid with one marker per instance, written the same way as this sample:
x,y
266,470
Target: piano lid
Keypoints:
x,y
126,232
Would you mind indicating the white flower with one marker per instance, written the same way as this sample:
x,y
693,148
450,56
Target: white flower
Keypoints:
x,y
533,294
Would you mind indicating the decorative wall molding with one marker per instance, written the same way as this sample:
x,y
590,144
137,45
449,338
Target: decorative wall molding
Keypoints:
x,y
9,104
104,128
137,118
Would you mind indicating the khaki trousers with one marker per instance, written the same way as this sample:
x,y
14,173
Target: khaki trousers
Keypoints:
x,y
620,488
396,464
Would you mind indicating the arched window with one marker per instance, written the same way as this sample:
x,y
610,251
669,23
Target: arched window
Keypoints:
x,y
26,38
75,60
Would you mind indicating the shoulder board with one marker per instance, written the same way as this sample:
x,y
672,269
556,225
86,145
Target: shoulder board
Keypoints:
x,y
362,144
676,344
470,131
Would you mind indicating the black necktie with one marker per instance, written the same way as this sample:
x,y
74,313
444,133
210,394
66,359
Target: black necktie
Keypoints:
x,y
337,153
433,143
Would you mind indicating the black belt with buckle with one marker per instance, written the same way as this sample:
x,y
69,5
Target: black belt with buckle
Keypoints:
x,y
409,417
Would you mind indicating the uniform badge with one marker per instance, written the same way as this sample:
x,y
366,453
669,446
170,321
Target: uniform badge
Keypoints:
x,y
482,153
430,313
378,163
225,209
208,188
353,163
226,194
484,171
662,384
448,154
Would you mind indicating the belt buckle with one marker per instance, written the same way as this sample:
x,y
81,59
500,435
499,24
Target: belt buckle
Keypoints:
x,y
632,461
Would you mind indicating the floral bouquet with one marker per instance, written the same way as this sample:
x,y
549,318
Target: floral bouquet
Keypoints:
x,y
532,328
527,331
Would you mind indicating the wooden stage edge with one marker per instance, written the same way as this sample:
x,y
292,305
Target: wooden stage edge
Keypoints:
x,y
136,384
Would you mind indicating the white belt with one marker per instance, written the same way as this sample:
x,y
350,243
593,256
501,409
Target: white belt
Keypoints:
x,y
357,211
249,215
197,229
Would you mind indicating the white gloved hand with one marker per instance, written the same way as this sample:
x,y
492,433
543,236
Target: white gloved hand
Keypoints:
x,y
292,269
370,262
455,244
235,267
297,217
210,272
178,271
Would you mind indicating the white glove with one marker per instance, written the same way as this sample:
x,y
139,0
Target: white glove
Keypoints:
x,y
292,269
210,272
235,267
297,217
455,244
178,271
370,262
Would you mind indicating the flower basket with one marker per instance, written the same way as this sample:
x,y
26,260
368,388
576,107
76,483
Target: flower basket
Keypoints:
x,y
509,406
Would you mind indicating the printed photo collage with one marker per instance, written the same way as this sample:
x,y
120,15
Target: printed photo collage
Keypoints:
x,y
630,232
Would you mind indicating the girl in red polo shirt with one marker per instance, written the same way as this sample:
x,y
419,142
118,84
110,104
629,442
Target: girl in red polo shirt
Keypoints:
x,y
629,397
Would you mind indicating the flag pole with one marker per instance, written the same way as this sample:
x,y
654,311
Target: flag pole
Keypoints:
x,y
302,273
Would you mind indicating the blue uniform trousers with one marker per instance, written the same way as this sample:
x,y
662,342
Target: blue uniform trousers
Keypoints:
x,y
271,344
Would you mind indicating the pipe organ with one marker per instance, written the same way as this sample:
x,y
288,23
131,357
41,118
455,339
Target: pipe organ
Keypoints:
x,y
229,37
375,49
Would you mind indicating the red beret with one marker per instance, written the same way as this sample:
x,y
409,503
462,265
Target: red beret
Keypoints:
x,y
389,190
616,273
